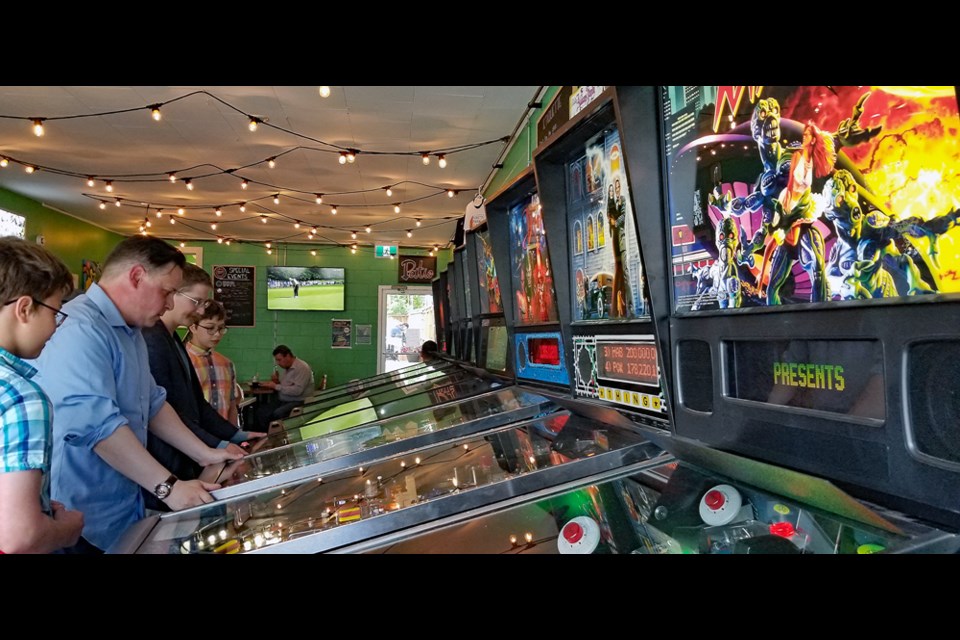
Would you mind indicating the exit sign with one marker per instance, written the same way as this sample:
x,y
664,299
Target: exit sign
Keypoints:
x,y
386,251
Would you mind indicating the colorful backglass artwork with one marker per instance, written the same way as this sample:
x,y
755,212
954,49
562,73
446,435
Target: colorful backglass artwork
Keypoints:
x,y
608,277
530,265
490,300
811,194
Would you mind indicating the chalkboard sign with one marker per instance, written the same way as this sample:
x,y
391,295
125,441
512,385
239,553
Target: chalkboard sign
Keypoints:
x,y
235,287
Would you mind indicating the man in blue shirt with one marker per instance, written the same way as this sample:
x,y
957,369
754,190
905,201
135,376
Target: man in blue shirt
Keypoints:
x,y
96,371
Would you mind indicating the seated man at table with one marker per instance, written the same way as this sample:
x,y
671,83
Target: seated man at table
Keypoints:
x,y
292,389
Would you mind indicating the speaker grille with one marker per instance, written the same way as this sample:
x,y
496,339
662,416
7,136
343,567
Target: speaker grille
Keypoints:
x,y
933,369
695,367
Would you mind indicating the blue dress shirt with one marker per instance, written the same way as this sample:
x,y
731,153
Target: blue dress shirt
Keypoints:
x,y
96,371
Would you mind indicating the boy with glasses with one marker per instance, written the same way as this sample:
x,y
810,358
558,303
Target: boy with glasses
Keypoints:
x,y
33,283
172,369
216,372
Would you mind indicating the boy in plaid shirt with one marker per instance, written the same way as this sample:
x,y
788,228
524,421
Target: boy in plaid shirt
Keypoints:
x,y
33,283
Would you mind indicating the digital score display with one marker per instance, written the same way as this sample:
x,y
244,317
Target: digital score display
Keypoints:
x,y
544,351
628,362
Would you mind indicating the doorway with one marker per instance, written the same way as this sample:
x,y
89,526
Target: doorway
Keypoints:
x,y
406,322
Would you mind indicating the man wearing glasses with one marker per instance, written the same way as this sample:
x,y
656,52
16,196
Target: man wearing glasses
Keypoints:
x,y
95,369
172,369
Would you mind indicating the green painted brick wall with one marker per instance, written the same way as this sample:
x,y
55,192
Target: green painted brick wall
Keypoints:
x,y
308,333
72,240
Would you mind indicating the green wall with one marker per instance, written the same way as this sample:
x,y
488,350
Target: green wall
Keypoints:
x,y
308,333
520,155
69,238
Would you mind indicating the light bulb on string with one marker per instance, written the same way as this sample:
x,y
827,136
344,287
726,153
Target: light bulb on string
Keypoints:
x,y
353,249
218,212
108,185
269,252
91,182
268,245
272,162
313,231
38,126
172,177
276,199
159,213
324,92
418,222
118,202
243,207
319,198
244,184
343,157
213,225
396,208
219,240
333,211
309,236
180,211
227,242
29,168
353,235
352,155
451,193
253,123
425,157
147,222
4,162
103,205
409,233
296,225
389,191
263,219
189,184
442,161
173,220
183,245
155,112
313,253
368,229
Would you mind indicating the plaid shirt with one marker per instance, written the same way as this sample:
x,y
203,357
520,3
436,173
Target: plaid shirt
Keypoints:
x,y
218,379
26,417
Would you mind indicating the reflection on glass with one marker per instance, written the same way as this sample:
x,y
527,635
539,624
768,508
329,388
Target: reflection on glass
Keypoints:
x,y
379,406
301,453
353,495
665,510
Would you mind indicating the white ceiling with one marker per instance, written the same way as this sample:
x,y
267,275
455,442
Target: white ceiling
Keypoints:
x,y
199,130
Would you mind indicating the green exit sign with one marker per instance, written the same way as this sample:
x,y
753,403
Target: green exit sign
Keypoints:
x,y
386,251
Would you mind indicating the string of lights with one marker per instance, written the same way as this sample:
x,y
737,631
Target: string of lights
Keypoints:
x,y
346,154
312,233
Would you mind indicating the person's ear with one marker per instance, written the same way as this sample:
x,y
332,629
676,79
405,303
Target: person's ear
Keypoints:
x,y
23,308
136,275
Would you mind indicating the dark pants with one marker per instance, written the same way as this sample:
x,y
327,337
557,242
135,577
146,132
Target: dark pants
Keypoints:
x,y
82,548
274,410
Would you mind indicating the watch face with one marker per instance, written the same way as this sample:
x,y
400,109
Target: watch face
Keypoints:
x,y
162,490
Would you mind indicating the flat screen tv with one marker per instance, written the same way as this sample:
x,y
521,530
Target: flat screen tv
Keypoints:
x,y
305,288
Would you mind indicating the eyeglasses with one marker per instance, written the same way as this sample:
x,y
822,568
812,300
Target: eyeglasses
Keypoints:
x,y
196,301
214,330
59,316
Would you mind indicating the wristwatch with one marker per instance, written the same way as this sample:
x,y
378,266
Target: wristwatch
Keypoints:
x,y
162,490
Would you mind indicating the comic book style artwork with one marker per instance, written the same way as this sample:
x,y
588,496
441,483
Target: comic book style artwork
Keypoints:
x,y
490,300
530,273
811,194
605,266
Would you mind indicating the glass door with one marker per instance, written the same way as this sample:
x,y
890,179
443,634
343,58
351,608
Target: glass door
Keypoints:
x,y
406,322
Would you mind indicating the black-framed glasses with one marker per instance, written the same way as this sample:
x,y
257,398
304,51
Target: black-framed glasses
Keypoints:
x,y
196,301
214,330
59,316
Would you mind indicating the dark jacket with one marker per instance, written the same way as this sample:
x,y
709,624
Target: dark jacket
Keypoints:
x,y
172,370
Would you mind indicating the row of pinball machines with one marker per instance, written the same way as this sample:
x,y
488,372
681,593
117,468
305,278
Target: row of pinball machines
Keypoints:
x,y
727,347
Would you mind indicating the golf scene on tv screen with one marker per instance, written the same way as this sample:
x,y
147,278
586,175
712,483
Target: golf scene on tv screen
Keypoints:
x,y
305,288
